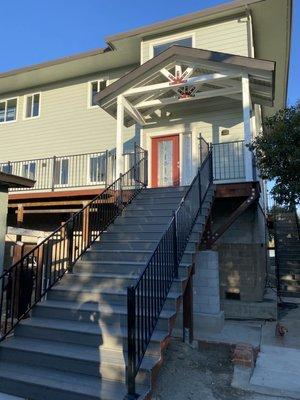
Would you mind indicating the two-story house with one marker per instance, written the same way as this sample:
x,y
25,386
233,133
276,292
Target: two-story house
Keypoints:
x,y
74,124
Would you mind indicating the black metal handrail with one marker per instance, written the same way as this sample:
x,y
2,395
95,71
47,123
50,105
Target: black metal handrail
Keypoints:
x,y
146,298
27,281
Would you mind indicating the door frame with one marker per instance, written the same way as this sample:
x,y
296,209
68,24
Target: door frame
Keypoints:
x,y
154,158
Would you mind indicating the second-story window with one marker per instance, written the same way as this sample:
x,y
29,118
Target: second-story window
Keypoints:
x,y
8,110
95,87
32,105
159,48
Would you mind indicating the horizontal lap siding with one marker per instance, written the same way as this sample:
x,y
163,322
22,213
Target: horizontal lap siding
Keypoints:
x,y
66,124
228,37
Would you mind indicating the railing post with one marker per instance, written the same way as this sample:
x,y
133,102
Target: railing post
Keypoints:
x,y
134,166
175,245
130,372
199,187
120,191
106,168
146,168
53,173
70,231
211,174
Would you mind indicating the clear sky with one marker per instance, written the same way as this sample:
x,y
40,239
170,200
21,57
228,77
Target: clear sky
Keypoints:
x,y
34,31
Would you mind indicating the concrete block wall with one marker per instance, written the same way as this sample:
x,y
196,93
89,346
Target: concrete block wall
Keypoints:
x,y
242,251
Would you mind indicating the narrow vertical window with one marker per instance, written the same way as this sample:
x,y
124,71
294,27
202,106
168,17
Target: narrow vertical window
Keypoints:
x,y
28,170
95,87
32,105
61,175
97,168
8,110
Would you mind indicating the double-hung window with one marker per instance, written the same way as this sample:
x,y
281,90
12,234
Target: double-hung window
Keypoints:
x,y
160,47
8,110
32,105
95,87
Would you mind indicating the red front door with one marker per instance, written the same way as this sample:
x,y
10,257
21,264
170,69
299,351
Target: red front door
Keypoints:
x,y
165,161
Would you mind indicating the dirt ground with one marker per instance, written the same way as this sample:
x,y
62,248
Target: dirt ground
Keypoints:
x,y
199,374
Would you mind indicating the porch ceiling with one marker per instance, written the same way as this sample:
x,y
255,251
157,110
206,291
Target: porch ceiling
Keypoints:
x,y
182,76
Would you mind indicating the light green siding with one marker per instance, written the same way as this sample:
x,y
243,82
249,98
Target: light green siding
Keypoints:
x,y
228,37
66,125
3,216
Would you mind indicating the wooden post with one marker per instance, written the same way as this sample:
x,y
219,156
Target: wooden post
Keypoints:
x,y
15,290
247,127
20,219
119,136
39,271
188,311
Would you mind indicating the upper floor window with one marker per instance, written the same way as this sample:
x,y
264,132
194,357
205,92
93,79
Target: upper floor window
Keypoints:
x,y
95,87
159,48
8,110
6,168
32,105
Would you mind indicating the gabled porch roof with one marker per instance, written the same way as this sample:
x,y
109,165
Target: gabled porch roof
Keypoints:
x,y
181,75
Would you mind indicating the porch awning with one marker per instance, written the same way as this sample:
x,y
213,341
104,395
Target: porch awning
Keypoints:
x,y
184,76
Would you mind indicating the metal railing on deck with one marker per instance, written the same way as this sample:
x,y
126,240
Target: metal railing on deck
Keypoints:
x,y
72,171
29,279
228,160
146,298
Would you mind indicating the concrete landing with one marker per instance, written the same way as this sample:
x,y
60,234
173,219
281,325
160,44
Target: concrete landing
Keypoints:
x,y
235,332
276,372
4,396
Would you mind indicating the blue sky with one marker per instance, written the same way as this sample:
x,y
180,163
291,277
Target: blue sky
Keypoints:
x,y
34,31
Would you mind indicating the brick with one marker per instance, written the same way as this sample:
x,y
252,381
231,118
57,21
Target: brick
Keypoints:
x,y
244,354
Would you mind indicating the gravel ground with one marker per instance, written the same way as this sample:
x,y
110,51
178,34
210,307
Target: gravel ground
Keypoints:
x,y
205,374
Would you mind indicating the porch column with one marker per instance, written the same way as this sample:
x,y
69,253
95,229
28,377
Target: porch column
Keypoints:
x,y
119,137
247,127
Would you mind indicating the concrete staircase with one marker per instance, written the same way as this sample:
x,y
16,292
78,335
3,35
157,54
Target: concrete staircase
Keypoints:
x,y
288,253
74,344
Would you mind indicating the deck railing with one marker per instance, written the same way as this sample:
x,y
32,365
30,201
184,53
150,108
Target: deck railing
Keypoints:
x,y
228,160
29,279
72,171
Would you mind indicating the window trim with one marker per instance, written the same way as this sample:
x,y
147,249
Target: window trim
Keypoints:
x,y
89,97
17,109
170,38
25,106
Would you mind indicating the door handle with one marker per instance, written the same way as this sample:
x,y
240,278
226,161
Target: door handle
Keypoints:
x,y
178,164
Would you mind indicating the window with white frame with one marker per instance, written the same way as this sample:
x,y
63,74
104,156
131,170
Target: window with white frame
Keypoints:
x,y
32,105
8,110
28,170
160,47
95,87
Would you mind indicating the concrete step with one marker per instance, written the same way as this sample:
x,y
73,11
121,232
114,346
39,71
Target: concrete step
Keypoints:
x,y
141,228
133,245
116,267
147,213
102,281
77,332
129,236
108,314
125,255
169,189
137,220
149,200
159,195
106,296
80,359
38,383
268,372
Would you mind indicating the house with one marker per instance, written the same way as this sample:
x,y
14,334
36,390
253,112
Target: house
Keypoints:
x,y
149,109
13,182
